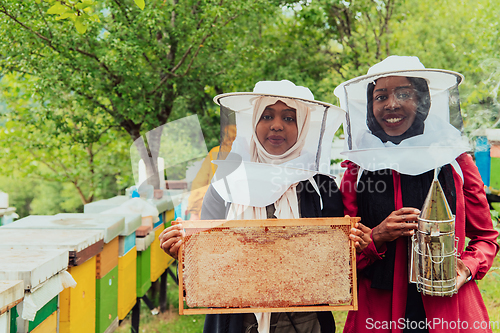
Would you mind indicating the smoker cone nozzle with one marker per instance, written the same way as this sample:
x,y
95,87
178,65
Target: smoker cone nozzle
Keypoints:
x,y
436,206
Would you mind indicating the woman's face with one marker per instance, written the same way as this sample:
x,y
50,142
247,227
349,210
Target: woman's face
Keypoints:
x,y
394,104
277,128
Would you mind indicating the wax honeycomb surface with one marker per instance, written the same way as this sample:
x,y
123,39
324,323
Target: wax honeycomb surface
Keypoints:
x,y
272,266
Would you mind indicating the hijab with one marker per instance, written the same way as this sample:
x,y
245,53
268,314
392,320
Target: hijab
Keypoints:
x,y
287,205
258,153
416,128
432,142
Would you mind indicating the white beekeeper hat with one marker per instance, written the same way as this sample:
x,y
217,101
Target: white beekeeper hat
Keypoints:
x,y
260,184
440,144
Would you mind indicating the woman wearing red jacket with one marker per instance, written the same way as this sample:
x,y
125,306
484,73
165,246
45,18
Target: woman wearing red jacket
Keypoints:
x,y
401,126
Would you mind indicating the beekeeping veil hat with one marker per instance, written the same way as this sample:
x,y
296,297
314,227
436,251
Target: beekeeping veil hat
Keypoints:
x,y
250,176
437,140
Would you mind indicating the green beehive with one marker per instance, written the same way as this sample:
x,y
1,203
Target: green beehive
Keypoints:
x,y
143,272
13,320
495,173
107,302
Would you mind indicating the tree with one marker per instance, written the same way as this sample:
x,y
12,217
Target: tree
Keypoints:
x,y
60,141
136,66
460,36
318,44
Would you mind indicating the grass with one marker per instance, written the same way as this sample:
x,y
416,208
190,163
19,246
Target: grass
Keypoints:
x,y
490,290
172,322
167,322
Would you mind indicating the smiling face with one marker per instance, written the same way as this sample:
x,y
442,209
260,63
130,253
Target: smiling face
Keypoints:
x,y
394,104
277,128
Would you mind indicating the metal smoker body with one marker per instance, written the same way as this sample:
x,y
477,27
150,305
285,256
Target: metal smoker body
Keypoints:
x,y
433,247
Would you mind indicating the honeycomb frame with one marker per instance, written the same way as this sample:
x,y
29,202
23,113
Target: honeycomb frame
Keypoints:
x,y
213,278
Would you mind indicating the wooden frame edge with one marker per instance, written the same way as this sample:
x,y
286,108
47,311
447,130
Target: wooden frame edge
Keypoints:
x,y
354,269
206,224
180,269
9,306
252,310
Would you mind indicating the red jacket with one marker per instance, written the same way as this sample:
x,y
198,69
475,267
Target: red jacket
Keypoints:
x,y
384,310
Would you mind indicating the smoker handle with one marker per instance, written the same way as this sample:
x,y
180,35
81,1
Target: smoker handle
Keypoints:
x,y
430,256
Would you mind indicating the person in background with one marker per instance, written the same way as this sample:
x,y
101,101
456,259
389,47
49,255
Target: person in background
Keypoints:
x,y
207,170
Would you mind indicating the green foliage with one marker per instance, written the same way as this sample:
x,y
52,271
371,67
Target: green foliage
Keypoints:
x,y
133,64
495,216
140,4
52,198
80,12
169,322
318,44
20,192
141,64
33,196
460,36
58,141
336,161
490,291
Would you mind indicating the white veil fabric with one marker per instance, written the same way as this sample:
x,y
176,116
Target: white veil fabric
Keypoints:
x,y
441,141
240,178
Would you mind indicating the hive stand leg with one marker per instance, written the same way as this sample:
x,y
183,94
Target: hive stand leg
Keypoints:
x,y
172,275
136,316
153,291
154,311
163,292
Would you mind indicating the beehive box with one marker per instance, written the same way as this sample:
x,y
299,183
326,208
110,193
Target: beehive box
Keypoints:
x,y
127,282
143,276
112,226
107,302
159,259
11,294
144,242
126,243
107,259
81,245
169,217
33,267
49,325
46,317
268,265
40,271
164,204
77,306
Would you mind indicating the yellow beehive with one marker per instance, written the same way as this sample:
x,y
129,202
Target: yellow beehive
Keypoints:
x,y
49,325
127,291
77,306
169,216
159,259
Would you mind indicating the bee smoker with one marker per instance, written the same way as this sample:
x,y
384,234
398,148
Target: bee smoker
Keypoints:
x,y
433,247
